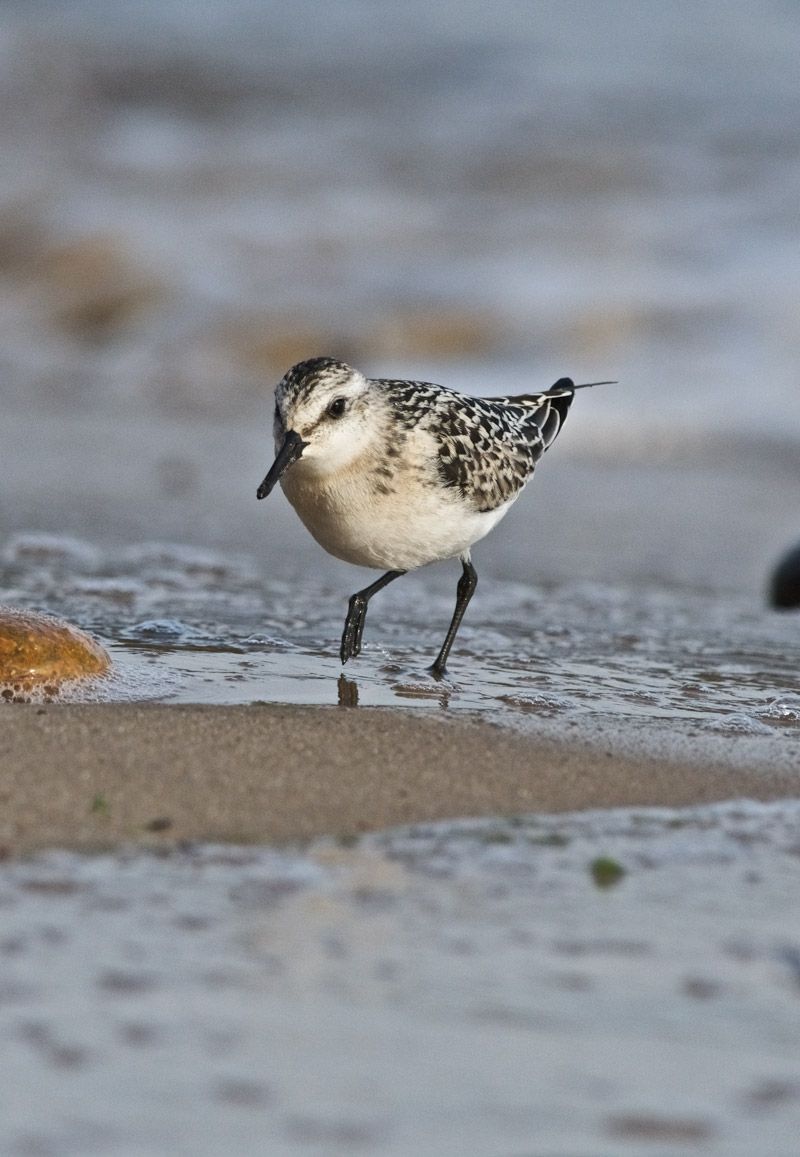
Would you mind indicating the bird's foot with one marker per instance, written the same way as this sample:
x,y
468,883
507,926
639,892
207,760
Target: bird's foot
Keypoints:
x,y
353,628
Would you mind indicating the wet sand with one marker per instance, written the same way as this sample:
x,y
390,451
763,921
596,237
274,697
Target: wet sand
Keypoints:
x,y
92,776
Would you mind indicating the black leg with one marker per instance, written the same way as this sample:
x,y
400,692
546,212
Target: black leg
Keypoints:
x,y
464,592
357,613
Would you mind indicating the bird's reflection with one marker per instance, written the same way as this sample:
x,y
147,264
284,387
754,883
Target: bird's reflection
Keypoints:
x,y
348,692
416,685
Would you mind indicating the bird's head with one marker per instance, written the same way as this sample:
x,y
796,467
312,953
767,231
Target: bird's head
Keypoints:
x,y
320,415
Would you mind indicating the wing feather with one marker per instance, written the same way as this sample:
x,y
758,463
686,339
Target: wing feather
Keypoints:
x,y
487,448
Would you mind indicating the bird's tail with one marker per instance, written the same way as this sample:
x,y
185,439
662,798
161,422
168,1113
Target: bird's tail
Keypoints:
x,y
548,410
588,385
566,386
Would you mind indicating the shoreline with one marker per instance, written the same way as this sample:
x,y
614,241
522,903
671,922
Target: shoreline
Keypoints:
x,y
91,777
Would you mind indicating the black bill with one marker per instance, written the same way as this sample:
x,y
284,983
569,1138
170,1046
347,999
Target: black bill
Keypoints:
x,y
291,449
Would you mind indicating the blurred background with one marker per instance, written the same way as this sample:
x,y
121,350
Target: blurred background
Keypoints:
x,y
195,196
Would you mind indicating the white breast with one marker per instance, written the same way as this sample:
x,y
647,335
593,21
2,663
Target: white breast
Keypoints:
x,y
417,522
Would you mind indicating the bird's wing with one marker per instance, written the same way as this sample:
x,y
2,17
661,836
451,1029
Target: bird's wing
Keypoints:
x,y
490,446
485,448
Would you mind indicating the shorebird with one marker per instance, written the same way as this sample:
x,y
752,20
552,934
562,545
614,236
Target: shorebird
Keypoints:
x,y
397,474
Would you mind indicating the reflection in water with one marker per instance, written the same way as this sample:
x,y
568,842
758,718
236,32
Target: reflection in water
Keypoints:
x,y
348,692
425,686
420,687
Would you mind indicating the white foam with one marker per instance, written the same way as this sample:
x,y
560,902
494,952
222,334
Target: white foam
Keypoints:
x,y
125,683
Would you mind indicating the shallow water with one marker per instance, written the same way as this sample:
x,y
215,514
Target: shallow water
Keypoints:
x,y
444,989
193,627
490,201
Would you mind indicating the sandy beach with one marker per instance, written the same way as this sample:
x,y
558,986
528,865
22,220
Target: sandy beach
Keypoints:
x,y
87,777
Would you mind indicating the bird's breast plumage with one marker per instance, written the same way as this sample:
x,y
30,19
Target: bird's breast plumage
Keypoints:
x,y
389,514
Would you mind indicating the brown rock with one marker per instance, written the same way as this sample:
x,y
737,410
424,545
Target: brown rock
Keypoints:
x,y
41,650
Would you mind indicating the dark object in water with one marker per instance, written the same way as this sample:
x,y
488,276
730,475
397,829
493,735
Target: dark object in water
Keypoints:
x,y
784,588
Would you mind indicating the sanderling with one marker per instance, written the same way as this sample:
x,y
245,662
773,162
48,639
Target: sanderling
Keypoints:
x,y
396,474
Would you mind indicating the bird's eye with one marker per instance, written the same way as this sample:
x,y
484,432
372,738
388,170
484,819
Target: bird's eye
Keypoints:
x,y
337,407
